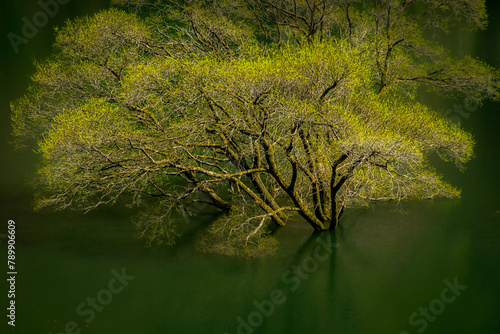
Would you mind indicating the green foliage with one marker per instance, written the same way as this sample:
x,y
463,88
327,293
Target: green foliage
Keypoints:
x,y
250,108
110,39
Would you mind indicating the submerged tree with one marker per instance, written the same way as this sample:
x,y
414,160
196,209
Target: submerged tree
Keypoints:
x,y
292,107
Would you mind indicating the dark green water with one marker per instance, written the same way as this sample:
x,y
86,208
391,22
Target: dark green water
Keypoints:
x,y
383,271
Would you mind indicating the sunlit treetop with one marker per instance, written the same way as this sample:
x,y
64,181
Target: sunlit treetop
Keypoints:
x,y
261,109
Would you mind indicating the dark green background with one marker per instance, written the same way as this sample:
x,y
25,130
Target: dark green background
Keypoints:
x,y
386,266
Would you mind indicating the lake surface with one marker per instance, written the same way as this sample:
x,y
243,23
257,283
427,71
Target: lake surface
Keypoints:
x,y
428,266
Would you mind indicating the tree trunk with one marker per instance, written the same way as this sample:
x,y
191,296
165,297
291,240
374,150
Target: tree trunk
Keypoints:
x,y
335,216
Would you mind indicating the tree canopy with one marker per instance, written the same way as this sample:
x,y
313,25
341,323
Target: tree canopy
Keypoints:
x,y
262,109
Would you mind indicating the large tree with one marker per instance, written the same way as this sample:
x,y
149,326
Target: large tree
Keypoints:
x,y
265,108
